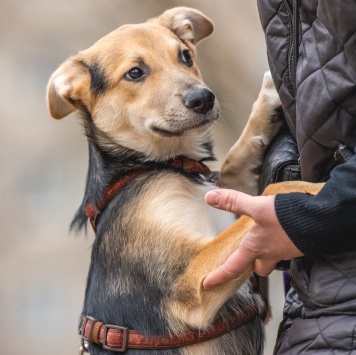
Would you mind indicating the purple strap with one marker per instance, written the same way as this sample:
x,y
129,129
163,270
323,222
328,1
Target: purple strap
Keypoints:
x,y
287,282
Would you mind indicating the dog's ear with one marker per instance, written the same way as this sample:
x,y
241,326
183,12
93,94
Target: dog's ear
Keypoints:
x,y
188,24
67,88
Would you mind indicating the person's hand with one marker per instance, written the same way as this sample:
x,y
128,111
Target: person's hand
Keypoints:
x,y
262,247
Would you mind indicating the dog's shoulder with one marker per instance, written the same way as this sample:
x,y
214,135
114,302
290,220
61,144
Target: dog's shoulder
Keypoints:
x,y
173,200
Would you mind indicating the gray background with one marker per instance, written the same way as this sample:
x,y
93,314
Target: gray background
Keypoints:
x,y
43,267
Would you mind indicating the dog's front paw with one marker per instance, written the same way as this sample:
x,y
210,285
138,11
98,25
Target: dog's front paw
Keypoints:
x,y
268,94
241,168
267,110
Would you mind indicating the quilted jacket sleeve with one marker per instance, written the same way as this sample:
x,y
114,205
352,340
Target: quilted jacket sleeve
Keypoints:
x,y
325,223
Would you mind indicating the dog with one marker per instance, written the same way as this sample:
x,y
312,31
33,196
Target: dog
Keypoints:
x,y
148,116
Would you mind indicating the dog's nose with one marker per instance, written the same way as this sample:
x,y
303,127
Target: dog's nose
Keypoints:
x,y
200,100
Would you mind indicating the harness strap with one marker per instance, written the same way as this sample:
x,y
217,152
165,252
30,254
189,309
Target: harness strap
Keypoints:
x,y
119,339
94,213
181,163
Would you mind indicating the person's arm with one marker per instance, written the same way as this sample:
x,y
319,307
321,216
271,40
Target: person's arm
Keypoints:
x,y
290,225
325,223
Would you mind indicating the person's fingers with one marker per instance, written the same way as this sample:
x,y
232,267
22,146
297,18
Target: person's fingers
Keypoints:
x,y
231,200
235,265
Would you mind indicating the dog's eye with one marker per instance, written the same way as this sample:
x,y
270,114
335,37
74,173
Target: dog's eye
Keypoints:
x,y
134,74
186,58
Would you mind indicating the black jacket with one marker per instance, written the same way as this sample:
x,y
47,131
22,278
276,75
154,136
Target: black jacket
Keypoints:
x,y
311,48
318,92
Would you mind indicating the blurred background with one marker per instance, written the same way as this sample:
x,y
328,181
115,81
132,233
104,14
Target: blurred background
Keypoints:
x,y
43,267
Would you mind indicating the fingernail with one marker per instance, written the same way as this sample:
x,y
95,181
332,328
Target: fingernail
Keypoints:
x,y
212,198
208,285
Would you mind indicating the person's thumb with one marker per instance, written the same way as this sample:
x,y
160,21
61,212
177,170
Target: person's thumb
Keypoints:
x,y
235,265
264,267
231,200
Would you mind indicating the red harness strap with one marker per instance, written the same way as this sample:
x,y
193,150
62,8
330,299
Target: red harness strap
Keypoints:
x,y
119,339
181,163
93,213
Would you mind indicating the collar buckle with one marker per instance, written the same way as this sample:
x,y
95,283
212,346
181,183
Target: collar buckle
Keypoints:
x,y
124,341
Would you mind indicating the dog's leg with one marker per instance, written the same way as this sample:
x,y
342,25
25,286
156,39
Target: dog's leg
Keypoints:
x,y
241,168
197,306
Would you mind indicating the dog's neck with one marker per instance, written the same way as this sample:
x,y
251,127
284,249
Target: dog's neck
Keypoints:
x,y
184,165
109,161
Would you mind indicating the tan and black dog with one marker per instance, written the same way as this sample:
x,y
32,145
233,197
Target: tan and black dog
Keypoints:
x,y
147,114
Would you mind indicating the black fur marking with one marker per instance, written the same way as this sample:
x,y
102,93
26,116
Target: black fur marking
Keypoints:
x,y
208,146
98,83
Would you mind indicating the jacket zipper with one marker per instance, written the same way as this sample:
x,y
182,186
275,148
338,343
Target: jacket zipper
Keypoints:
x,y
295,29
292,7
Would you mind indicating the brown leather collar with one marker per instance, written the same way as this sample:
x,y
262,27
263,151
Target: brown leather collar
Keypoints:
x,y
119,339
181,163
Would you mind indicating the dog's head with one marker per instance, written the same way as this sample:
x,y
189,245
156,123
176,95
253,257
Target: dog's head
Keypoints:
x,y
141,85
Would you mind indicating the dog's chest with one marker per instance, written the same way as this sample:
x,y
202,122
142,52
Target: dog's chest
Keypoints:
x,y
184,209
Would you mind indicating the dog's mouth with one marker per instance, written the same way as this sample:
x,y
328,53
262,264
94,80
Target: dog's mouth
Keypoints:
x,y
183,131
164,132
